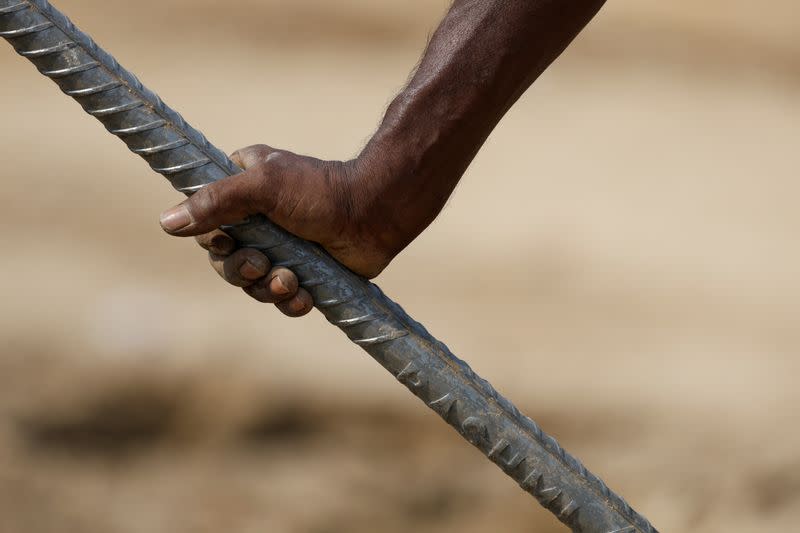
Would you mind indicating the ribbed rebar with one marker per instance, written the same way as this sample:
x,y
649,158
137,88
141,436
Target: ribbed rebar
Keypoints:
x,y
445,383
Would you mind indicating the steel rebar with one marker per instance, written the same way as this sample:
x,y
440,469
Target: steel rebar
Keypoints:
x,y
371,320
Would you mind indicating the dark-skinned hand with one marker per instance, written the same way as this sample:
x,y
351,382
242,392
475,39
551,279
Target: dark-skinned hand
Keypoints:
x,y
311,198
481,58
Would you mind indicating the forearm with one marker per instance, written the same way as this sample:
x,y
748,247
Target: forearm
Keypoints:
x,y
482,57
364,212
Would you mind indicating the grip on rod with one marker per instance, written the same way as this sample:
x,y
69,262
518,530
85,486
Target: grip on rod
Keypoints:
x,y
446,384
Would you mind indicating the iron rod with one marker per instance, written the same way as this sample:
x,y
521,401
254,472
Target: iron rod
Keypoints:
x,y
371,320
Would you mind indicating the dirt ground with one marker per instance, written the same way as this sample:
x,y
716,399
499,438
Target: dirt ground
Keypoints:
x,y
621,261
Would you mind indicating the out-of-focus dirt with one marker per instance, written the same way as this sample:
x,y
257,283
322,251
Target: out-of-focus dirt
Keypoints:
x,y
621,260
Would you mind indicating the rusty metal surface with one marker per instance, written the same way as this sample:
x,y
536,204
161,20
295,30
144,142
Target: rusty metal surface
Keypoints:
x,y
371,320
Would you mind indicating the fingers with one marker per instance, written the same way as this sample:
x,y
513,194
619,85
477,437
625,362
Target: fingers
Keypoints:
x,y
217,242
241,268
277,286
226,201
252,155
250,269
281,287
298,306
229,200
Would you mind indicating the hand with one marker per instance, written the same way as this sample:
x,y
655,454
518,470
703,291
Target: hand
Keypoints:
x,y
364,212
321,201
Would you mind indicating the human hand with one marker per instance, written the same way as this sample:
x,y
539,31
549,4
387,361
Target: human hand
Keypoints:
x,y
321,201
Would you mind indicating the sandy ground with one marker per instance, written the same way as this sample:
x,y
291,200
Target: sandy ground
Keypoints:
x,y
620,260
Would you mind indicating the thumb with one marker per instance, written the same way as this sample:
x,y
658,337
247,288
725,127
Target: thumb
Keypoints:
x,y
227,201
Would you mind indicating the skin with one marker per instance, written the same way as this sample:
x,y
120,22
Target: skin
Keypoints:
x,y
480,60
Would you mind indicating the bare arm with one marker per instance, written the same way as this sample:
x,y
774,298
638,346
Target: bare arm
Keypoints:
x,y
482,57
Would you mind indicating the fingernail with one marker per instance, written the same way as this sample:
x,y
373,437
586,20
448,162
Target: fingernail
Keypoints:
x,y
250,270
298,305
175,219
278,286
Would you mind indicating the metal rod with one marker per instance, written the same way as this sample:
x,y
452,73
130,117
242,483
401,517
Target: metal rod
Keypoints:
x,y
445,383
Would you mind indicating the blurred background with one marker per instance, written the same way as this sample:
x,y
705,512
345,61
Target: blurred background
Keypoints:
x,y
621,261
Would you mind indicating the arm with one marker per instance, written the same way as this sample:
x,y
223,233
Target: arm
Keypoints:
x,y
482,57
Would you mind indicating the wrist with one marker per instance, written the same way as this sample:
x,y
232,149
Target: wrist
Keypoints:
x,y
376,186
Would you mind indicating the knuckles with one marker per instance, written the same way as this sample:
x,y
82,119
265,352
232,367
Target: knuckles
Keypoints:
x,y
255,155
